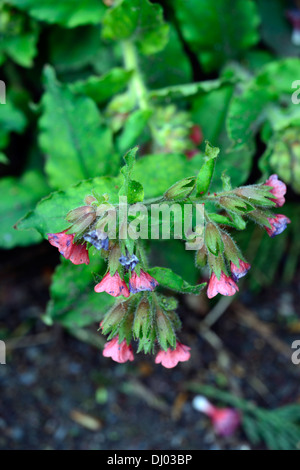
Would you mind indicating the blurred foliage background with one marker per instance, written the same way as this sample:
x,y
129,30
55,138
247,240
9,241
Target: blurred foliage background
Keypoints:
x,y
85,81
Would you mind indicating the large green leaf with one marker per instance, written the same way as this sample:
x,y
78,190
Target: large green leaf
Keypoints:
x,y
49,214
216,30
73,300
68,13
137,20
77,144
17,196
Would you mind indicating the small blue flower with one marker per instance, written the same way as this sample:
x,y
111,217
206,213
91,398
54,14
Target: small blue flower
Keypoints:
x,y
98,239
129,262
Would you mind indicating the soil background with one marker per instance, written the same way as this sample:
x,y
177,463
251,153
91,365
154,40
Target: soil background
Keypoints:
x,y
59,392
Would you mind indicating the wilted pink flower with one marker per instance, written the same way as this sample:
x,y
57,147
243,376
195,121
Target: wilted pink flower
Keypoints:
x,y
225,420
171,357
225,286
78,254
142,282
278,189
119,352
113,285
278,225
238,273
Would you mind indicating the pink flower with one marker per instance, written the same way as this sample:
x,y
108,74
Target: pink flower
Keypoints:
x,y
278,225
142,282
171,357
225,286
78,254
196,135
278,190
225,420
119,352
113,285
236,272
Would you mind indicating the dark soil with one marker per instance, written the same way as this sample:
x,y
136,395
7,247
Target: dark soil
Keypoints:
x,y
60,393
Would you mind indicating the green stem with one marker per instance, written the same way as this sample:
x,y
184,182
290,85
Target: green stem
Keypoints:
x,y
137,85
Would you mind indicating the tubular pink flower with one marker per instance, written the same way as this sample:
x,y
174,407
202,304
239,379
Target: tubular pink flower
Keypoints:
x,y
142,282
238,273
278,190
113,285
225,420
77,254
171,357
225,286
119,352
278,225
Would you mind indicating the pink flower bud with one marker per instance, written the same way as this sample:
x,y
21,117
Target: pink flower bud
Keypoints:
x,y
119,352
143,282
278,190
171,357
278,225
238,273
225,286
225,420
77,254
113,285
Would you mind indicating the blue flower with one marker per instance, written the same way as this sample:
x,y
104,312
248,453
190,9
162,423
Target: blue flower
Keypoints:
x,y
129,262
98,239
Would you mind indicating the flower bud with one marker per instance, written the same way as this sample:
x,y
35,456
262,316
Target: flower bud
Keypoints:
x,y
79,212
201,257
180,190
113,318
83,223
231,251
165,331
142,319
235,204
90,199
213,240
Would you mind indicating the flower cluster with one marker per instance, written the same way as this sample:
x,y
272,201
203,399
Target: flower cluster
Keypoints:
x,y
225,260
140,313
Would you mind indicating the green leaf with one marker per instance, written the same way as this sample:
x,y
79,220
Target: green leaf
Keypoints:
x,y
133,128
11,120
216,32
67,53
245,114
168,67
159,172
18,195
100,89
206,172
131,189
68,13
73,300
167,278
19,37
49,214
188,89
140,21
77,144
